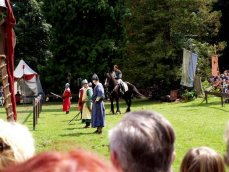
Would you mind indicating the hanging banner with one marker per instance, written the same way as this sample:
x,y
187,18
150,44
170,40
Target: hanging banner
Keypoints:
x,y
188,68
215,66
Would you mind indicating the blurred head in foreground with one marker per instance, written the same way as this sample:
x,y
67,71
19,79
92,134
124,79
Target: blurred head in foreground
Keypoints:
x,y
142,141
202,159
74,161
16,143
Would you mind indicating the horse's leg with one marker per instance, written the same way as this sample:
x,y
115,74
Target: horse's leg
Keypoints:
x,y
112,104
117,105
128,102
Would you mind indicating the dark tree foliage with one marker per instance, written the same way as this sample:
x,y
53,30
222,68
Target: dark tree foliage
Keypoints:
x,y
87,35
157,32
32,34
223,6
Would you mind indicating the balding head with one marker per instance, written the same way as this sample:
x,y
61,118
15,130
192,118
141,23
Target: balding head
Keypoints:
x,y
143,141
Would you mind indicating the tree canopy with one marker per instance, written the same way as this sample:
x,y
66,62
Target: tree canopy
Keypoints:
x,y
86,37
74,39
32,33
159,30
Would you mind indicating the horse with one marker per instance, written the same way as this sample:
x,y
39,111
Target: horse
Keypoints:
x,y
113,88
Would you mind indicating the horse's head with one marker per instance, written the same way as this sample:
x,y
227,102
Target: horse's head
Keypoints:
x,y
107,80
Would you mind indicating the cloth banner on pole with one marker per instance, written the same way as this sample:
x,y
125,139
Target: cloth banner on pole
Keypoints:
x,y
188,68
215,66
10,43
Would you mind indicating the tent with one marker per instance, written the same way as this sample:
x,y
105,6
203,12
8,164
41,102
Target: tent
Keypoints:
x,y
27,82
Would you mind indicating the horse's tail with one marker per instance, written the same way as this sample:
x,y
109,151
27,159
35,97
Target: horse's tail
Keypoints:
x,y
135,91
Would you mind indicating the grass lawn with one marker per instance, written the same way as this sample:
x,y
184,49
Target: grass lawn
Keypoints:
x,y
195,124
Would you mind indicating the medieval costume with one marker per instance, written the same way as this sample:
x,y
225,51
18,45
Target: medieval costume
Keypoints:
x,y
80,103
117,74
98,109
66,99
87,105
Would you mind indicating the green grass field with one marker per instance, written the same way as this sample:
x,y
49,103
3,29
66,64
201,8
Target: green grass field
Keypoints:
x,y
195,124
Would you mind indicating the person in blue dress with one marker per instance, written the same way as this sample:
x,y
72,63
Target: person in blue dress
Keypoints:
x,y
98,109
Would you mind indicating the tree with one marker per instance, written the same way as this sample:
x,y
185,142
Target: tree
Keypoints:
x,y
32,34
158,30
223,6
87,36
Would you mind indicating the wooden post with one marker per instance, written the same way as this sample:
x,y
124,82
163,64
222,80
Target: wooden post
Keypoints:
x,y
206,97
34,115
222,103
36,107
6,89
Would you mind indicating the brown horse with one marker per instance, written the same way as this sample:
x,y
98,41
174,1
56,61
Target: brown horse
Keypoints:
x,y
113,88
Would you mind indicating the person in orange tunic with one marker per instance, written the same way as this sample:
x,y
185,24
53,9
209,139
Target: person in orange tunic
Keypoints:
x,y
67,98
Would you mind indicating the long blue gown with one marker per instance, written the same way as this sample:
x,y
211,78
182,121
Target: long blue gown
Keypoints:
x,y
98,109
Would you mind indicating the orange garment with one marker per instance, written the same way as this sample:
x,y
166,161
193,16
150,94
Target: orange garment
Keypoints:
x,y
215,66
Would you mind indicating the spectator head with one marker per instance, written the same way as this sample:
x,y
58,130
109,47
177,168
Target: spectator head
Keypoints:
x,y
74,161
142,141
202,159
16,143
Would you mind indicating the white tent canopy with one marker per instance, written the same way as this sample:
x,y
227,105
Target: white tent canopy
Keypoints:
x,y
23,70
27,80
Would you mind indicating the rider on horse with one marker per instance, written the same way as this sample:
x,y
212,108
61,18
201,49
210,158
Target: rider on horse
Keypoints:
x,y
117,74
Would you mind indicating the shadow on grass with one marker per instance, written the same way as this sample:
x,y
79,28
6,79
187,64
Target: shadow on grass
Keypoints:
x,y
204,104
135,102
74,128
208,105
51,110
71,120
28,116
76,134
73,123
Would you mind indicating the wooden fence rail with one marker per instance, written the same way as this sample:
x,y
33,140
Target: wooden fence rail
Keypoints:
x,y
37,108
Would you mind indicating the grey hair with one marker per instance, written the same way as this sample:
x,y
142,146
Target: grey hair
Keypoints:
x,y
143,141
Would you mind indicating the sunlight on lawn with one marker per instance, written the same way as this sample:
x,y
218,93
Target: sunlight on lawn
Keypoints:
x,y
195,124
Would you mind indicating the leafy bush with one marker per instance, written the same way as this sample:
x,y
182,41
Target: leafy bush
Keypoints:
x,y
188,95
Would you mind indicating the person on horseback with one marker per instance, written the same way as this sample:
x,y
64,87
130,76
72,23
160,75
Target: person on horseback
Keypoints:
x,y
117,74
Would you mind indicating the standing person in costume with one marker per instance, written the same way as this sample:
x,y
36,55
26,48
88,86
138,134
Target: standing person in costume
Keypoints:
x,y
80,103
67,98
98,109
87,105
